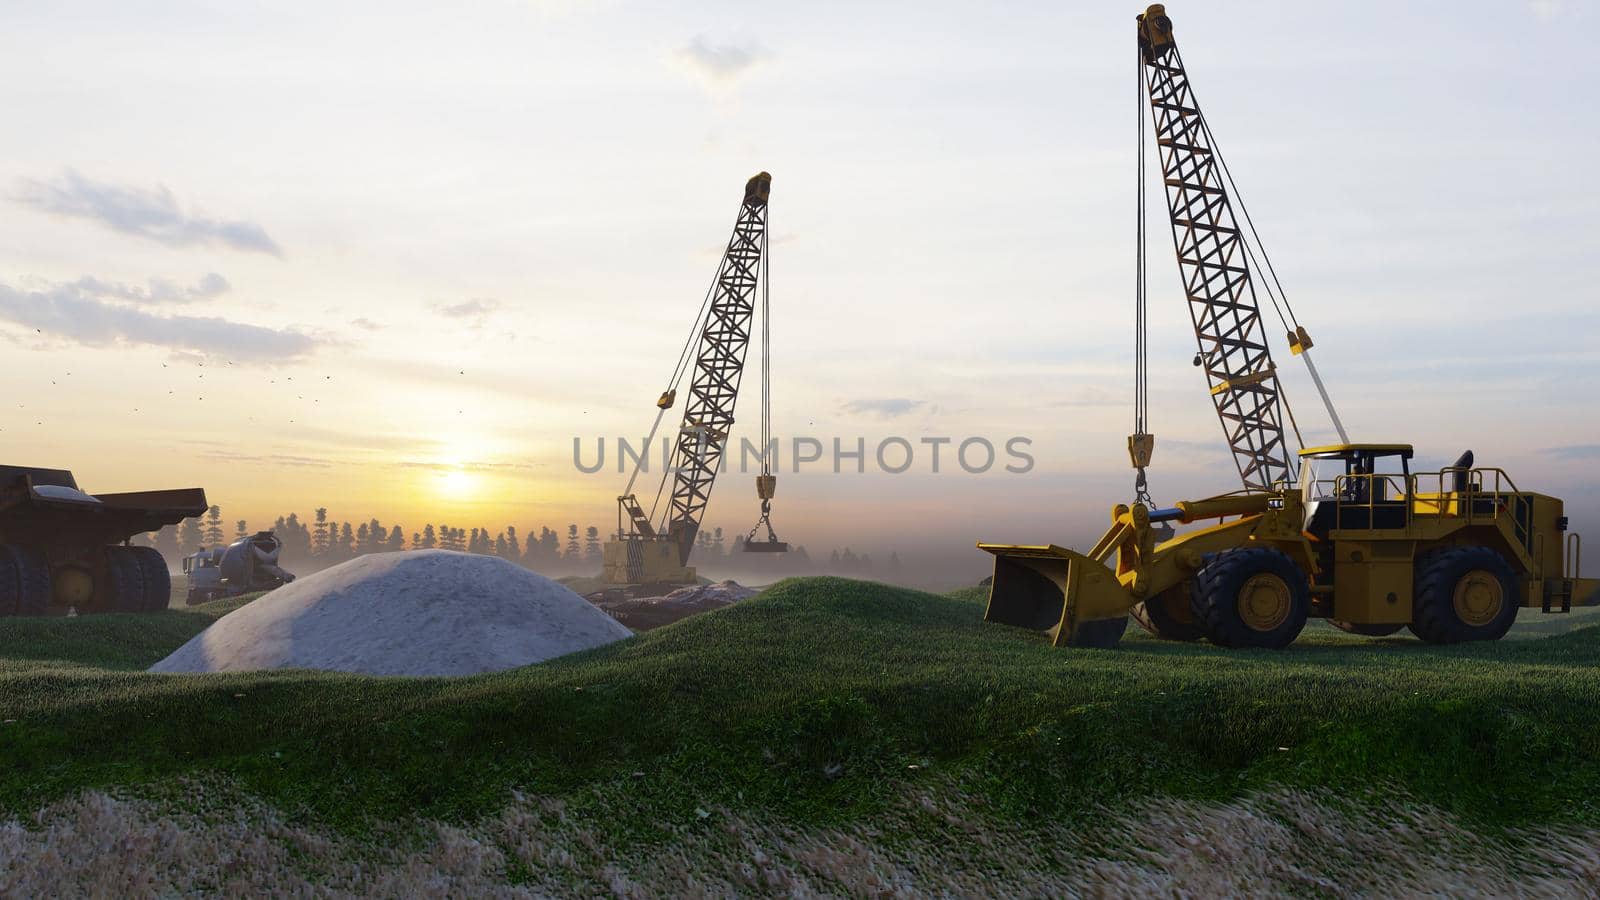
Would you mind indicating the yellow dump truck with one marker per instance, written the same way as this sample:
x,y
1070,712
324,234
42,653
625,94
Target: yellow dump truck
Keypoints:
x,y
1363,542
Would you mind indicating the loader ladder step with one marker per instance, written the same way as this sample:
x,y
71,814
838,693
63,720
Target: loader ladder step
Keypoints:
x,y
1559,600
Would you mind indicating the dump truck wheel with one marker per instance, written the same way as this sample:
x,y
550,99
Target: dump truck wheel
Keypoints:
x,y
10,590
1100,634
1251,597
33,581
1369,629
1464,594
1169,616
155,578
119,583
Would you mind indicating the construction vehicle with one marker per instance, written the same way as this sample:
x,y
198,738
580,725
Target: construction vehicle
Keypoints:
x,y
652,548
1452,554
245,566
62,549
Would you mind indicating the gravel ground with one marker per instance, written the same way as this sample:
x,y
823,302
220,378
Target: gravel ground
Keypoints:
x,y
935,843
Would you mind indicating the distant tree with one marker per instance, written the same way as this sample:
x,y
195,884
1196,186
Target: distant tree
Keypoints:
x,y
347,542
213,528
500,545
591,545
833,561
513,549
319,532
190,537
572,542
363,538
241,530
428,540
166,540
376,537
716,543
397,539
894,563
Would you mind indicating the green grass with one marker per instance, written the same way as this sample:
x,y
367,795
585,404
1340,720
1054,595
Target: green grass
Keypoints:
x,y
817,702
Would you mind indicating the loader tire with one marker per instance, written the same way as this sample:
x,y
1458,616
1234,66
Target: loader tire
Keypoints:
x,y
1464,594
1369,629
119,583
1168,615
155,578
1251,597
1100,634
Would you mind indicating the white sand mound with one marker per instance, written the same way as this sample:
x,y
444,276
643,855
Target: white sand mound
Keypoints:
x,y
424,612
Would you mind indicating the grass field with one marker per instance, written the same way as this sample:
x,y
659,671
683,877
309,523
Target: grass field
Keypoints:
x,y
821,704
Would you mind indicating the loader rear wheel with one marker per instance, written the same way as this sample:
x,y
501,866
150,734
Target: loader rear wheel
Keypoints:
x,y
1464,594
1251,597
24,582
155,578
1099,634
1169,616
1367,629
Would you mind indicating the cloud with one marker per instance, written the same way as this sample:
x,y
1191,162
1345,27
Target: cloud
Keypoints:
x,y
158,290
883,407
721,65
152,214
1547,10
470,466
1576,451
366,324
468,309
67,311
276,459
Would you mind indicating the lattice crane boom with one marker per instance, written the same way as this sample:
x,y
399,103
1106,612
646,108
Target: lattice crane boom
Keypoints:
x,y
719,368
1214,261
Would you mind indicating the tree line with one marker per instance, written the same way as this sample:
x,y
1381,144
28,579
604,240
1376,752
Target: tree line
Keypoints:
x,y
324,542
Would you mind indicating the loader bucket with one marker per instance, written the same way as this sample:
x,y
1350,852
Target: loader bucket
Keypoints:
x,y
1075,600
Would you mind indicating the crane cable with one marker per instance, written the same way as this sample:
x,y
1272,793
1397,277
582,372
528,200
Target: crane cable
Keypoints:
x,y
1141,396
766,386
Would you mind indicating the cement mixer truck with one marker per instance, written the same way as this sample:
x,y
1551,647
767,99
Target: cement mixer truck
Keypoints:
x,y
244,566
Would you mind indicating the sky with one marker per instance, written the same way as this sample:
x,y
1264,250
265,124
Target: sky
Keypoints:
x,y
393,259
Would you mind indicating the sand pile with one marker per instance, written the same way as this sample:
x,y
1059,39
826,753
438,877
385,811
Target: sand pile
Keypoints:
x,y
426,612
645,613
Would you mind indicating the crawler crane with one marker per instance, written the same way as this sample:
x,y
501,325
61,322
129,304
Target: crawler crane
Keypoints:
x,y
655,549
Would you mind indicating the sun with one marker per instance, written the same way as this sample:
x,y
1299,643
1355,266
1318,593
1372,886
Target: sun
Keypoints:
x,y
456,483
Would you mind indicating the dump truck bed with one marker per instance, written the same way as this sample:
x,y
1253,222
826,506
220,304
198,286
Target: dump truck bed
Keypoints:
x,y
46,508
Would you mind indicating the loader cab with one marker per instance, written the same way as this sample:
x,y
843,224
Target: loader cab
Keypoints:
x,y
1355,486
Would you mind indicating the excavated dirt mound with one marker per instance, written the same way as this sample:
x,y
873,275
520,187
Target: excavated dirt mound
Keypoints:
x,y
645,613
425,612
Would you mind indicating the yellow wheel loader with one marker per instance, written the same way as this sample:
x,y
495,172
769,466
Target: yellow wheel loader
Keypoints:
x,y
1371,546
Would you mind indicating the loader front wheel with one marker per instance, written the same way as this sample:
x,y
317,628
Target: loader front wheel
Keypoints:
x,y
1464,594
1168,615
1251,597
